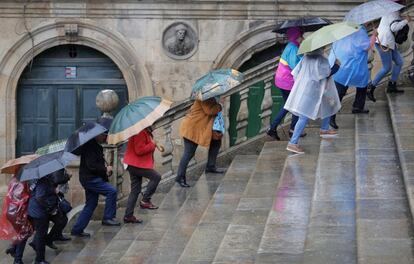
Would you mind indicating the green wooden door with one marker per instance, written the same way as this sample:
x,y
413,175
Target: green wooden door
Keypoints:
x,y
50,106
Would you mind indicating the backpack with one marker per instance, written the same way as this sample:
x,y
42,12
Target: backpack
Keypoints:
x,y
401,35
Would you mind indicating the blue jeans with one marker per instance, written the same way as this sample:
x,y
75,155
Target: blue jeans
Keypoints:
x,y
301,124
282,113
387,57
93,188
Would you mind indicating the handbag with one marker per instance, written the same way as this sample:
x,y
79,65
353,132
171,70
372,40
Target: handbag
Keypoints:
x,y
218,127
64,205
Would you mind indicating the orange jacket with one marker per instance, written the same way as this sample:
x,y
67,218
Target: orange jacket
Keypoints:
x,y
140,150
198,123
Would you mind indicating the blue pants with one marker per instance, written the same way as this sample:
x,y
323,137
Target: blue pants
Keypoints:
x,y
301,124
93,188
282,113
387,57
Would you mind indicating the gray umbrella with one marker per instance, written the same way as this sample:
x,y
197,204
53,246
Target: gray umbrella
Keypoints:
x,y
371,10
45,165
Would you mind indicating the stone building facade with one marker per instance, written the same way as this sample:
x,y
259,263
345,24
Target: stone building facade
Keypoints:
x,y
160,47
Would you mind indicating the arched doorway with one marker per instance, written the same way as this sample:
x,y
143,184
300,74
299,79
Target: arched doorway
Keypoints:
x,y
57,90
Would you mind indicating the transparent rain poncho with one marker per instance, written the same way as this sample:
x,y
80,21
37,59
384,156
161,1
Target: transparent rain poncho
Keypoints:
x,y
314,93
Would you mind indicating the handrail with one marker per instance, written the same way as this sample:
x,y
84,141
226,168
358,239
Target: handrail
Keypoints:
x,y
261,71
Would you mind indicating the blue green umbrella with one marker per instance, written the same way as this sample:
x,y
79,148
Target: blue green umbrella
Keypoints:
x,y
215,83
136,116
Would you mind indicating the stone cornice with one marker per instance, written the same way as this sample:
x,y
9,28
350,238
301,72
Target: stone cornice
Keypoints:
x,y
203,9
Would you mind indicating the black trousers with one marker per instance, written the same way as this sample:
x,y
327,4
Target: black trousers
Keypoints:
x,y
189,150
136,175
59,220
360,95
41,226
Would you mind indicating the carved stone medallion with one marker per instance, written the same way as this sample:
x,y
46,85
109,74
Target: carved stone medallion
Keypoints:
x,y
180,41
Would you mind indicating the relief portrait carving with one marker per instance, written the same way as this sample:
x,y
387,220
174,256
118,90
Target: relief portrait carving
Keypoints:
x,y
180,41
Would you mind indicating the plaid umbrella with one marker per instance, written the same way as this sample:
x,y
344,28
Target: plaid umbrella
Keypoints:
x,y
55,146
371,10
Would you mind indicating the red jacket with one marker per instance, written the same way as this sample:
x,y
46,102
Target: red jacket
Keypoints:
x,y
140,151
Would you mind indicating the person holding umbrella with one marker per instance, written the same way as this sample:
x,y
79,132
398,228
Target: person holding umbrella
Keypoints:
x,y
93,175
15,224
196,129
43,203
313,94
133,123
294,29
352,51
284,79
139,157
390,24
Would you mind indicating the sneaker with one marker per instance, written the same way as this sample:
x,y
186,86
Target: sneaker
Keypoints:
x,y
80,234
295,148
132,220
392,88
147,205
273,134
328,133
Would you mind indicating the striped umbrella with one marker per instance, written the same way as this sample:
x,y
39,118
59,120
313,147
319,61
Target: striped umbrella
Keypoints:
x,y
136,116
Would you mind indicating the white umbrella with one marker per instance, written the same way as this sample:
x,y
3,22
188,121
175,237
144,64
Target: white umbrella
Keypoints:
x,y
371,10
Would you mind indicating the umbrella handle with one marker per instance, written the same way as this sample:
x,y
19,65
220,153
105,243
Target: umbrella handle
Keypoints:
x,y
160,147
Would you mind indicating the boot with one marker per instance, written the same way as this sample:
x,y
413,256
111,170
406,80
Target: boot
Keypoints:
x,y
392,88
370,92
332,123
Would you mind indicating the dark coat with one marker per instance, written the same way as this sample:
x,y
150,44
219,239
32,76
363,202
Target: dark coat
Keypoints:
x,y
92,164
43,200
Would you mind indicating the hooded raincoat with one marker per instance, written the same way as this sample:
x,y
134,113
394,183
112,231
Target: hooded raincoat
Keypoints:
x,y
314,93
288,61
352,52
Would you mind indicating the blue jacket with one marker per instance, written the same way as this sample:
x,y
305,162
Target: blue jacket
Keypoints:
x,y
43,200
352,52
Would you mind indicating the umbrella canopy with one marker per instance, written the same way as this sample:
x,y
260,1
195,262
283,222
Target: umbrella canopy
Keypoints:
x,y
327,35
82,135
136,116
306,24
55,146
12,166
216,83
45,165
371,10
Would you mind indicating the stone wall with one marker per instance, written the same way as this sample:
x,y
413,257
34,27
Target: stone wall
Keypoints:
x,y
130,32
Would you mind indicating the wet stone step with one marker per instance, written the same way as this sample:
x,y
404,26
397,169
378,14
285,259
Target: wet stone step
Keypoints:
x,y
401,108
167,234
331,230
383,216
284,232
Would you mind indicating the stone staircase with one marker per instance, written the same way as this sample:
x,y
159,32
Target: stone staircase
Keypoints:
x,y
347,200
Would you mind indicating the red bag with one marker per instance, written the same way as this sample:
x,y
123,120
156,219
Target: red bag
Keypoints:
x,y
14,222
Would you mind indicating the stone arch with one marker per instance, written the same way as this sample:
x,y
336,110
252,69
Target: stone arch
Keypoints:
x,y
52,34
244,46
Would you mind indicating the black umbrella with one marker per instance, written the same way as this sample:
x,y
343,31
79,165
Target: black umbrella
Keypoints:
x,y
83,135
306,24
45,165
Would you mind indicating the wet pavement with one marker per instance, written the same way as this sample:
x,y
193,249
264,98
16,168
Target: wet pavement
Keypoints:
x,y
344,201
